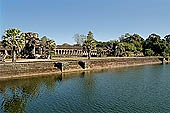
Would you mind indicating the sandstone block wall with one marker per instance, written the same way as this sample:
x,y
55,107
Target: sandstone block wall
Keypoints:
x,y
8,70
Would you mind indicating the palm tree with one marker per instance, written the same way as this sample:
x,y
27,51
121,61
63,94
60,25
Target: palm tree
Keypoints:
x,y
89,44
49,46
13,39
100,52
111,47
31,41
120,50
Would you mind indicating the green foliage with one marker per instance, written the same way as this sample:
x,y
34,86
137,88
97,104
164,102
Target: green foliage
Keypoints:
x,y
66,44
164,54
100,51
155,43
148,52
135,41
44,39
102,44
167,38
129,47
89,44
29,49
120,50
111,47
128,44
13,39
48,46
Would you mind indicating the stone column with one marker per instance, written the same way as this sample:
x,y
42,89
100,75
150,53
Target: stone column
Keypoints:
x,y
61,52
33,51
71,52
40,50
65,51
76,52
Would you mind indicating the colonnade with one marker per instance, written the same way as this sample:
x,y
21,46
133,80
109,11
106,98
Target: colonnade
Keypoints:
x,y
73,52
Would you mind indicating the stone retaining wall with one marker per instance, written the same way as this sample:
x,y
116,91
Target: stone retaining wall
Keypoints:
x,y
21,69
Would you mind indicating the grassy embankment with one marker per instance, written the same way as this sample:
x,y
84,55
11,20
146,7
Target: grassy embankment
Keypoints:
x,y
69,58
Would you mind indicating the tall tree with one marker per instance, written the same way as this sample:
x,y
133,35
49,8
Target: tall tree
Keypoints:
x,y
79,39
111,47
13,39
120,50
154,43
167,38
49,46
100,51
134,39
89,44
31,41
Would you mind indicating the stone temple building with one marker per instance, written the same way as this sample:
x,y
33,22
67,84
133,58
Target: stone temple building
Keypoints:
x,y
72,51
35,45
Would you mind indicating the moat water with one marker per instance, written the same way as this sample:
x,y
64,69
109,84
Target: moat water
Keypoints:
x,y
134,89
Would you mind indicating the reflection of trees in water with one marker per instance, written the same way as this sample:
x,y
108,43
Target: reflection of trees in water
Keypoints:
x,y
51,83
17,93
88,84
14,102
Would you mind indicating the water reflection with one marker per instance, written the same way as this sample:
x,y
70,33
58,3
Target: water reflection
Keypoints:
x,y
16,94
134,89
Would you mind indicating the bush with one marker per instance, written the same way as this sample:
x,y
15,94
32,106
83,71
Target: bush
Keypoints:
x,y
164,54
148,52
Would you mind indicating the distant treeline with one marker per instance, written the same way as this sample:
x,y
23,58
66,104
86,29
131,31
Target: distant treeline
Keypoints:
x,y
129,44
154,45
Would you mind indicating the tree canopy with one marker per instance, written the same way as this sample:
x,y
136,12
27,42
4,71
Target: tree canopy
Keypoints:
x,y
14,39
79,39
89,44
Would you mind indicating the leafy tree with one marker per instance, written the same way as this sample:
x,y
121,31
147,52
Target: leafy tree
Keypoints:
x,y
164,54
167,49
154,43
136,52
66,44
120,50
167,38
44,40
31,40
148,52
102,44
13,39
100,51
79,39
111,47
49,46
138,42
126,38
134,40
89,44
129,47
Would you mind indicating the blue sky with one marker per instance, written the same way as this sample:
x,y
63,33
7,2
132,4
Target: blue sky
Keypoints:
x,y
107,19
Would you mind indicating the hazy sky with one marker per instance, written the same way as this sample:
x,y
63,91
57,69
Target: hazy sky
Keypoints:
x,y
107,19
